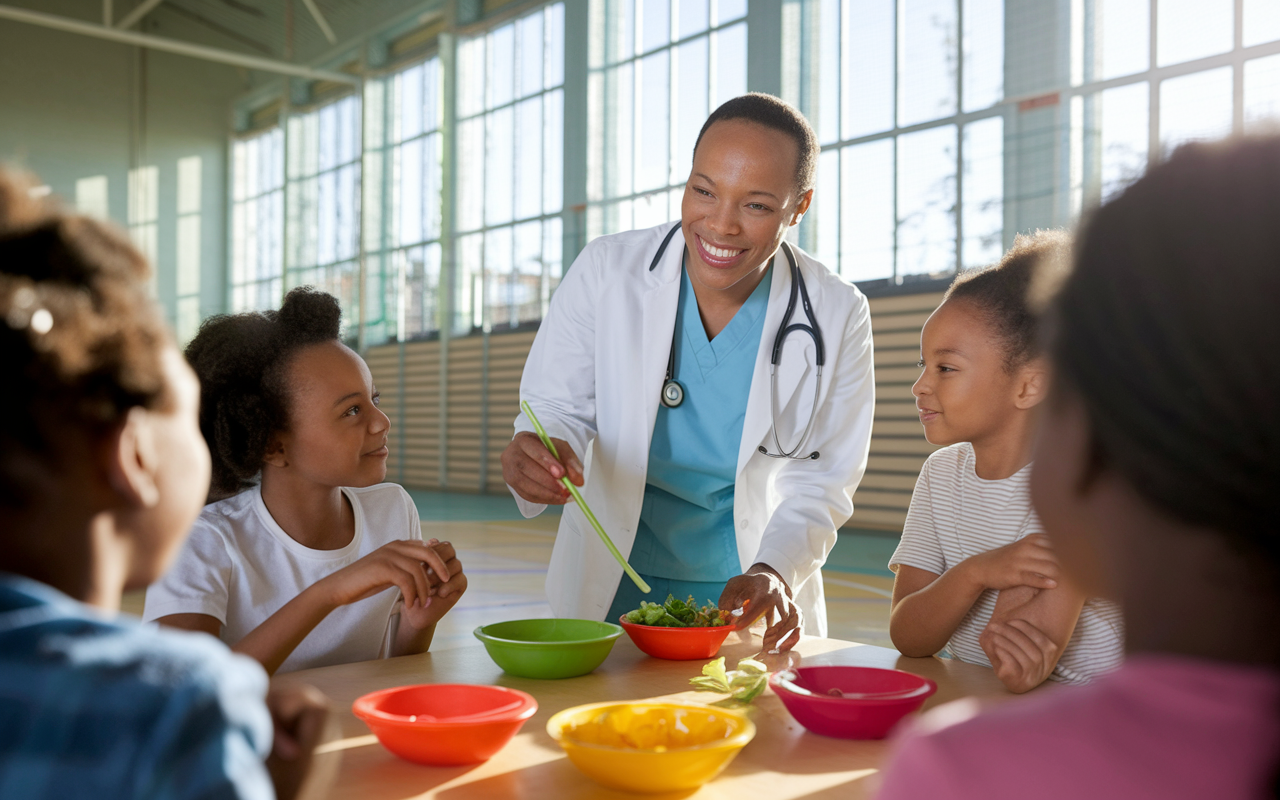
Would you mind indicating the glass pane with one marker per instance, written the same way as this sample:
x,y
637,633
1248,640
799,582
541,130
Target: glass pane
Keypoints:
x,y
983,53
1124,137
868,67
1262,94
1191,29
982,205
501,66
431,169
471,174
1261,21
528,173
655,24
620,29
650,210
927,201
927,88
826,121
329,132
408,185
530,53
499,287
407,110
467,311
470,77
694,17
866,184
349,129
653,164
691,105
553,68
619,130
1195,107
552,249
731,64
1121,42
729,10
498,167
824,213
553,152
431,95
528,273
326,220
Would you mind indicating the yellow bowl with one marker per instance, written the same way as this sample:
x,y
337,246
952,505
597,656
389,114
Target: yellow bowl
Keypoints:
x,y
650,747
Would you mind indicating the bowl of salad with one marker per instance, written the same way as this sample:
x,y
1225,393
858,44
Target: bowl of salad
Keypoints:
x,y
677,630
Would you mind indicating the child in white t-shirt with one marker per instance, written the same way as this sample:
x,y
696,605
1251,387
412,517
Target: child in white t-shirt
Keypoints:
x,y
308,559
974,571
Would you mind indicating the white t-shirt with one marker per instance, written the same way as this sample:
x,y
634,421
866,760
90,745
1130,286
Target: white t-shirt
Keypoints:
x,y
240,567
954,515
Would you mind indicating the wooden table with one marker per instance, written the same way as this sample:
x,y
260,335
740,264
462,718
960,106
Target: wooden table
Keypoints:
x,y
783,761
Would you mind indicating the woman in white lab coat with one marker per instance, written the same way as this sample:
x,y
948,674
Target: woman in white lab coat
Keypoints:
x,y
655,371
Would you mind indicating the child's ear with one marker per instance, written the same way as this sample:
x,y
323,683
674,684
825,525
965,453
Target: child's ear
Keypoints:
x,y
1033,385
276,455
132,461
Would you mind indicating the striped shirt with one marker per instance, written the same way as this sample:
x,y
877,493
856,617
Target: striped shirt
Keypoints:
x,y
955,515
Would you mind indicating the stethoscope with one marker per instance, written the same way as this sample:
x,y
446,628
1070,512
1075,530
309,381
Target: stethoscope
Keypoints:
x,y
673,392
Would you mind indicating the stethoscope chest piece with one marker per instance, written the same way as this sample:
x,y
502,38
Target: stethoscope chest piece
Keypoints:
x,y
672,394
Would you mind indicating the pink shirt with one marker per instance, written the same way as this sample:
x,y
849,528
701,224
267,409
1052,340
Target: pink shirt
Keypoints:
x,y
1159,727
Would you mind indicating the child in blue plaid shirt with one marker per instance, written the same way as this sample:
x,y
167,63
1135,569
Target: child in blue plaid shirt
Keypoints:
x,y
102,471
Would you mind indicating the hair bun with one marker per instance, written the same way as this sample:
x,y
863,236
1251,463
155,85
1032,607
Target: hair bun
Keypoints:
x,y
310,314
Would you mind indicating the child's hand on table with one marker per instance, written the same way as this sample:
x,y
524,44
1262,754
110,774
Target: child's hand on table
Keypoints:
x,y
1030,561
1021,654
445,592
298,715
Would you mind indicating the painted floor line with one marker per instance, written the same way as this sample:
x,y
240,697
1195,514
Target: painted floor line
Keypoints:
x,y
876,590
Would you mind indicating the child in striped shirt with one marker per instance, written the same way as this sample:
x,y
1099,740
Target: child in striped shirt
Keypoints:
x,y
974,570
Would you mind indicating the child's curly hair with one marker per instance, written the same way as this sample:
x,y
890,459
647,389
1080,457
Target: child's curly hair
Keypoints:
x,y
242,362
80,337
1004,292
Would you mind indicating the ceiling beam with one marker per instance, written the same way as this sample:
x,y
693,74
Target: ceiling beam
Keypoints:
x,y
320,20
173,46
136,15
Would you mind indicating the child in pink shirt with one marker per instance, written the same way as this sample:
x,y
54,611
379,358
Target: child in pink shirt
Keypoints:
x,y
1156,475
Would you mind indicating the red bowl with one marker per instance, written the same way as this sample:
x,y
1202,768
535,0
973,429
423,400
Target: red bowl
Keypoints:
x,y
677,644
874,699
445,724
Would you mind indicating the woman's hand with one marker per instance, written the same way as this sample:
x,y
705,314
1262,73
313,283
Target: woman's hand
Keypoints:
x,y
760,592
529,468
448,588
408,564
1021,654
1030,561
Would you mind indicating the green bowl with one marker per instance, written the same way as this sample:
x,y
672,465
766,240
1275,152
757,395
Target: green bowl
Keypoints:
x,y
548,648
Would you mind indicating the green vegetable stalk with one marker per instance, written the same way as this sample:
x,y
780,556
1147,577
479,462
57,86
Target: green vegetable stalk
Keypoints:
x,y
743,684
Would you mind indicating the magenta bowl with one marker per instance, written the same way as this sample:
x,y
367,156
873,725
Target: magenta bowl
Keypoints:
x,y
850,702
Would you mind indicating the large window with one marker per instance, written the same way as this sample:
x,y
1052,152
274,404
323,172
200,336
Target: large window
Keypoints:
x,y
658,68
911,176
415,219
257,221
510,147
322,241
1139,90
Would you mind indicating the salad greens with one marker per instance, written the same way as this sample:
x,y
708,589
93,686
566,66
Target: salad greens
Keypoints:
x,y
678,614
743,684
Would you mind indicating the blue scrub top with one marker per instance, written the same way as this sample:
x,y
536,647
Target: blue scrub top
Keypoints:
x,y
686,531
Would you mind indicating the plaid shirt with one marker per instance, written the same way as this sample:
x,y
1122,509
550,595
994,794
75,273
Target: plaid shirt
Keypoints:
x,y
100,706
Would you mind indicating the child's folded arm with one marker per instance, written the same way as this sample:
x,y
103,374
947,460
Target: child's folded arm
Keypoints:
x,y
927,608
1028,632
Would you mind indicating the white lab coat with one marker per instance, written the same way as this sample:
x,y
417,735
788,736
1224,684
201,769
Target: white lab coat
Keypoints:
x,y
594,376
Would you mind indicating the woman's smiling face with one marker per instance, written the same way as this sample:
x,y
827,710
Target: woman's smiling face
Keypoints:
x,y
739,201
